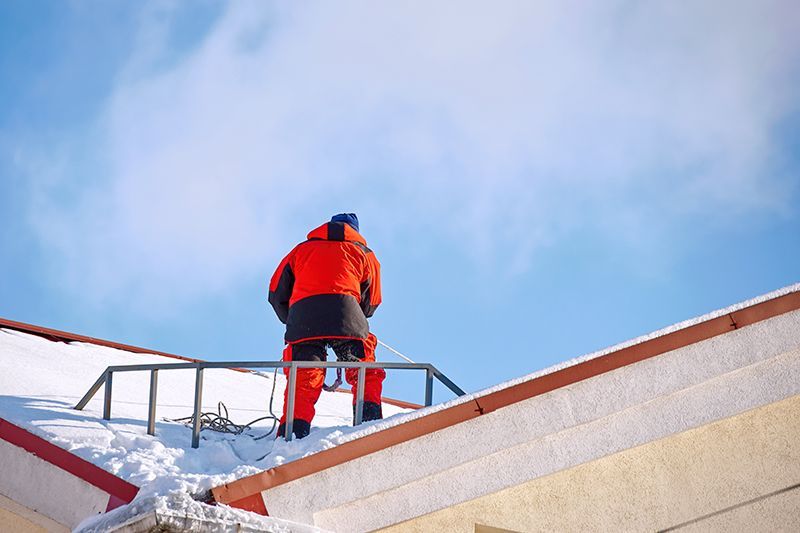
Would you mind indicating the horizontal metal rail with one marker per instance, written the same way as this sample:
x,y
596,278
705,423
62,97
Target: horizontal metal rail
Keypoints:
x,y
106,380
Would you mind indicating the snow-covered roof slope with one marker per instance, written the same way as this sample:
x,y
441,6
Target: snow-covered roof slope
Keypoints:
x,y
41,381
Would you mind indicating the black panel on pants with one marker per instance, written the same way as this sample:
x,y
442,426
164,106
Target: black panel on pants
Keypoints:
x,y
314,350
309,351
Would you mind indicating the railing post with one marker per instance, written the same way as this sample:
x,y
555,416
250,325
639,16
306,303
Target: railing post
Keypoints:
x,y
428,387
198,400
151,406
359,414
107,397
91,392
290,402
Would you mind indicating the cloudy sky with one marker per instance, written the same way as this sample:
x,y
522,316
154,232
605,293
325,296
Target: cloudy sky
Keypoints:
x,y
538,179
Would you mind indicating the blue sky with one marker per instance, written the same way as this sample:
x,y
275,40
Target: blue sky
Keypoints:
x,y
538,180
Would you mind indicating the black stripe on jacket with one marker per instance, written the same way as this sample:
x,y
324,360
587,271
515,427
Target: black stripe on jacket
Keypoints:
x,y
279,298
366,296
336,231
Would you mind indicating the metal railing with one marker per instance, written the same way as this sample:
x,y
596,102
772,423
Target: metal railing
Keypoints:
x,y
107,379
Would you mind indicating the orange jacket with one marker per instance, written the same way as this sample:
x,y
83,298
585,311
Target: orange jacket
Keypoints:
x,y
327,286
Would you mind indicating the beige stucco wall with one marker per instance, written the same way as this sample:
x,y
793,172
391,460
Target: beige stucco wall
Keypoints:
x,y
19,519
741,463
10,521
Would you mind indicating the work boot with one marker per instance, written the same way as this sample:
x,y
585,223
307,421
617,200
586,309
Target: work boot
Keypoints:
x,y
372,411
300,428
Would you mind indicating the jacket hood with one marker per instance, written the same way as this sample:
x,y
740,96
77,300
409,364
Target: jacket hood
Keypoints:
x,y
336,231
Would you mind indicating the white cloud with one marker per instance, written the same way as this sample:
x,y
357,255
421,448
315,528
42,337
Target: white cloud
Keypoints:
x,y
513,123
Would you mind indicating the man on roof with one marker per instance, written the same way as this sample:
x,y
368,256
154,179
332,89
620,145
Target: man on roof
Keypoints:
x,y
324,291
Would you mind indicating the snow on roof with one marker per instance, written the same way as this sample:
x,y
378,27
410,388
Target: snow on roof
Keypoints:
x,y
42,381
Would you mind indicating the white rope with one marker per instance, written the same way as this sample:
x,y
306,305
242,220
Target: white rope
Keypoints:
x,y
394,351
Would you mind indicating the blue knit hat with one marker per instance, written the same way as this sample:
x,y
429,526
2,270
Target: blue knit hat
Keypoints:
x,y
349,218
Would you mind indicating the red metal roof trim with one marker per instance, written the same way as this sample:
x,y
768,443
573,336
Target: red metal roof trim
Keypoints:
x,y
64,336
120,491
253,503
245,488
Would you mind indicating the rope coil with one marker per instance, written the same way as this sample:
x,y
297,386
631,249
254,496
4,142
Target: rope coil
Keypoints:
x,y
220,422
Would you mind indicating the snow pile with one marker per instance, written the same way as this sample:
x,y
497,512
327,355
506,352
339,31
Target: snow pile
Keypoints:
x,y
43,380
179,512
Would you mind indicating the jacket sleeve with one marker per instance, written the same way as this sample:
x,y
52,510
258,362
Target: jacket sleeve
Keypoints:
x,y
371,285
280,288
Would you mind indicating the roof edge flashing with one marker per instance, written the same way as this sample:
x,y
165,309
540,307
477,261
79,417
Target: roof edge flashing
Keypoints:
x,y
120,491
